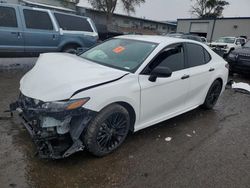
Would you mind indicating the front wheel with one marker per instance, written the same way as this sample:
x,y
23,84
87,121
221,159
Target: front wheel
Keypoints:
x,y
213,95
107,131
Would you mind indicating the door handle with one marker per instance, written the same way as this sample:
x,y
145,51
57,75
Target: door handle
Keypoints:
x,y
185,77
17,33
211,69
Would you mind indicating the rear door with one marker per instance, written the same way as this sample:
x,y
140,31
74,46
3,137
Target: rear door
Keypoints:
x,y
201,71
11,36
40,31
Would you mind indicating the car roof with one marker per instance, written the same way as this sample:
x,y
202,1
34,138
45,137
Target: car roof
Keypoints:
x,y
155,39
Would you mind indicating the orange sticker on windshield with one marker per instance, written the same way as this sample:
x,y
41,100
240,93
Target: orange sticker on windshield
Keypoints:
x,y
118,49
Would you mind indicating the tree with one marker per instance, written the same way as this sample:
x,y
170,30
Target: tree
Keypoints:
x,y
109,6
208,8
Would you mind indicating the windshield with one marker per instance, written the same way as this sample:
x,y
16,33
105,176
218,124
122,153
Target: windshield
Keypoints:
x,y
225,40
247,45
122,54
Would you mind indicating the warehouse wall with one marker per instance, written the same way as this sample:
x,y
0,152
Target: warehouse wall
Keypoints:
x,y
232,27
185,26
219,28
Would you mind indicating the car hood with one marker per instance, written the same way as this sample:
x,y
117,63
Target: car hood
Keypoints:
x,y
220,43
56,76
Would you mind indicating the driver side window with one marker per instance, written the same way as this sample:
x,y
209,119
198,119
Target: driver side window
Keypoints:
x,y
171,57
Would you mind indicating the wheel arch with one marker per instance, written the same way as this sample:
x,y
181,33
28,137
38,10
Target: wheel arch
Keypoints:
x,y
130,109
68,42
220,80
131,112
217,78
64,46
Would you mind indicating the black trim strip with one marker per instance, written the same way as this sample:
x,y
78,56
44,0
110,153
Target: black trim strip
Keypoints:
x,y
97,85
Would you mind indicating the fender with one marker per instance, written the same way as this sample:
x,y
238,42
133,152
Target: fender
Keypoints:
x,y
100,84
70,41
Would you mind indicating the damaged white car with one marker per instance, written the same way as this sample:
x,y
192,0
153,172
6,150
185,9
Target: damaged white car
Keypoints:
x,y
128,83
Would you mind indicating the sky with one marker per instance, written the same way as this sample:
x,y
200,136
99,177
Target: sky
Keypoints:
x,y
173,9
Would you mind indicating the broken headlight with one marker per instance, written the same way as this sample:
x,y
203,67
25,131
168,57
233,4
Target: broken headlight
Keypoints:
x,y
64,105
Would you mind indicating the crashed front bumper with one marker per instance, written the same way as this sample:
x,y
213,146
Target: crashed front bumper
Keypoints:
x,y
220,51
56,134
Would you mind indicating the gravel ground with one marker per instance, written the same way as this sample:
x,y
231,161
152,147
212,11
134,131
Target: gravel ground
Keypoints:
x,y
207,149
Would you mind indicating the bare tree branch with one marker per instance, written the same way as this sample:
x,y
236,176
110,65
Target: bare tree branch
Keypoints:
x,y
208,8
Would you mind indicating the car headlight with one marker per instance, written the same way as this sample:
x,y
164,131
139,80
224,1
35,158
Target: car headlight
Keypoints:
x,y
64,105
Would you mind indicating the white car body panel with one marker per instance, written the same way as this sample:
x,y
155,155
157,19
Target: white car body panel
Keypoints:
x,y
52,77
152,102
163,97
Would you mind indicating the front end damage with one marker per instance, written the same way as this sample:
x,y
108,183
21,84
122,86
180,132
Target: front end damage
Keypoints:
x,y
56,133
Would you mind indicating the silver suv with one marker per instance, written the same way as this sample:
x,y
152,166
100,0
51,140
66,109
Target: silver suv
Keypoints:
x,y
28,29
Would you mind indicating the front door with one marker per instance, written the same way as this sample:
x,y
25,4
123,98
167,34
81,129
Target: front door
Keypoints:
x,y
40,34
165,97
11,36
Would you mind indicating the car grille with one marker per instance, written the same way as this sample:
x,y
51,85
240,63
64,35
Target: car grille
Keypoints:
x,y
244,57
219,46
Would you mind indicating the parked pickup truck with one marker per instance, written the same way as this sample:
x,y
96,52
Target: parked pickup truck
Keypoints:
x,y
224,45
29,29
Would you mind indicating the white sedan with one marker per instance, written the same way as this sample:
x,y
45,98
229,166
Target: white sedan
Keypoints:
x,y
128,83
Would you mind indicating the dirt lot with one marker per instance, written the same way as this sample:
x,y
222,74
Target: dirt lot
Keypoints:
x,y
208,149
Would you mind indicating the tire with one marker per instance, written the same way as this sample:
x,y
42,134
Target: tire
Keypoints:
x,y
231,73
212,95
72,49
107,130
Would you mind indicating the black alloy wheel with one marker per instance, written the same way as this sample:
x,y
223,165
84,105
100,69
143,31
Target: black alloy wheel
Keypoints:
x,y
107,131
112,131
213,95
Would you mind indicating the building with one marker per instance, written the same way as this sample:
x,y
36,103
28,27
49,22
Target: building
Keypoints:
x,y
128,24
121,24
212,29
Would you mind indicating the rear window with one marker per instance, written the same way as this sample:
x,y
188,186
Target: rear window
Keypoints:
x,y
73,23
37,20
195,55
8,17
207,56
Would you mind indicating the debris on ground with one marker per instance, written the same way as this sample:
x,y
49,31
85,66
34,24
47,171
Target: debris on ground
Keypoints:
x,y
188,135
241,87
130,156
168,139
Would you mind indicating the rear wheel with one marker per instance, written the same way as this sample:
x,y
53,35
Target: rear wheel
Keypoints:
x,y
72,49
107,131
212,95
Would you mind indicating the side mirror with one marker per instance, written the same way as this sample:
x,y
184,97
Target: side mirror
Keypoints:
x,y
159,72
